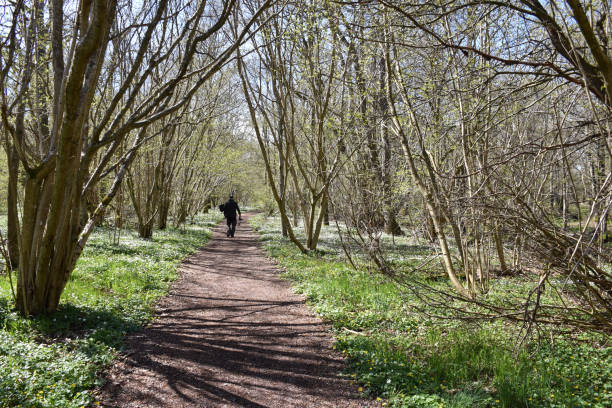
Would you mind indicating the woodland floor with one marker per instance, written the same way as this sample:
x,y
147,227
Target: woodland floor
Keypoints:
x,y
231,334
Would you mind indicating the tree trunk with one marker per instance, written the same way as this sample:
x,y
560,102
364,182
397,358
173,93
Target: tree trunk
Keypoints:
x,y
146,230
429,225
499,245
181,217
325,209
164,210
391,225
564,205
12,198
281,166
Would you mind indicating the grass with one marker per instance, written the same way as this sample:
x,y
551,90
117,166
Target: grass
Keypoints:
x,y
410,360
57,360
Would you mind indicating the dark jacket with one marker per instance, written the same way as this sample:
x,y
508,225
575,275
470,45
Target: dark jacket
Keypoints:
x,y
230,208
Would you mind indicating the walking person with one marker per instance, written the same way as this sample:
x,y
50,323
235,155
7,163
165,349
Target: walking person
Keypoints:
x,y
229,211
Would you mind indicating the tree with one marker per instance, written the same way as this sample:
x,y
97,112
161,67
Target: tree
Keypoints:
x,y
510,154
92,108
293,117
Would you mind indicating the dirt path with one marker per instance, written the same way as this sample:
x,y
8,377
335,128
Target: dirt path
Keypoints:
x,y
231,334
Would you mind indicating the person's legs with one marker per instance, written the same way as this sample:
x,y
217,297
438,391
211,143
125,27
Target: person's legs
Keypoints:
x,y
234,222
231,226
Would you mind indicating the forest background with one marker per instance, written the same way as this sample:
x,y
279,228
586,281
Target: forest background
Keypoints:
x,y
458,154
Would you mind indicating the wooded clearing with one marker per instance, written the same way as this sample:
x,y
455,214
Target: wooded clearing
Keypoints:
x,y
457,154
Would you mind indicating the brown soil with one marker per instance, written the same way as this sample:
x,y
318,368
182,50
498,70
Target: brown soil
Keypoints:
x,y
231,334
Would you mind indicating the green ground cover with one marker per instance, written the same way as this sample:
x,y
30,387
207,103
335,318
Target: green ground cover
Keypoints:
x,y
55,361
410,360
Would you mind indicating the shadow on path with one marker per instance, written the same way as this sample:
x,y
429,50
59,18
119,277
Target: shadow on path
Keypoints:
x,y
231,334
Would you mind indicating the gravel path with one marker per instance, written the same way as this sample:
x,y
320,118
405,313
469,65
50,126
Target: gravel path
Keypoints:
x,y
231,334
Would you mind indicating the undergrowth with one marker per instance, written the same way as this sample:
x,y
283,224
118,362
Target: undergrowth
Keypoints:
x,y
56,360
407,359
